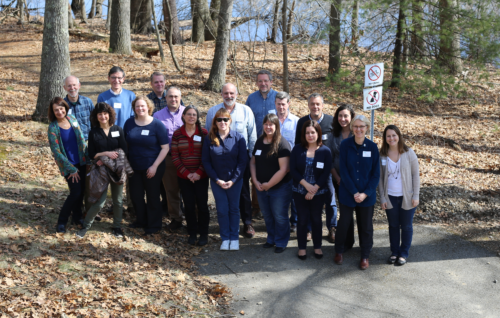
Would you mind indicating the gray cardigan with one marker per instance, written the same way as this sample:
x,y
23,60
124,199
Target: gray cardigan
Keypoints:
x,y
410,177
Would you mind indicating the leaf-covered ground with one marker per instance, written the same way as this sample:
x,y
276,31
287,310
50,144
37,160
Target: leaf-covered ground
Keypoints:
x,y
44,274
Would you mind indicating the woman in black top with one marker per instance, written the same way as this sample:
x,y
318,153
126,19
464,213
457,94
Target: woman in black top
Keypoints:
x,y
269,167
105,137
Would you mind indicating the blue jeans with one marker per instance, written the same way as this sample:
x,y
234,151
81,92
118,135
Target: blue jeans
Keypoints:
x,y
274,207
400,220
330,210
227,203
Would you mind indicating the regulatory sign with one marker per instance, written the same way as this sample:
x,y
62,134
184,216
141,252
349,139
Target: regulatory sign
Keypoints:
x,y
374,74
372,98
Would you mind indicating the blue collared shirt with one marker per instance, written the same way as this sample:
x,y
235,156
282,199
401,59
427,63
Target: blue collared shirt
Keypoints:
x,y
242,121
81,110
227,161
261,107
121,103
288,128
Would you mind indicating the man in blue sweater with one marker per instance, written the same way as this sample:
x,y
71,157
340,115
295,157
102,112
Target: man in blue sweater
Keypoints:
x,y
79,106
118,97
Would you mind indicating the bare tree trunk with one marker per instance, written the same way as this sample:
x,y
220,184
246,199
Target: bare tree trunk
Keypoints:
x,y
71,22
211,25
218,71
198,29
289,24
355,25
274,31
55,56
334,38
285,48
75,6
162,55
98,9
449,40
170,32
20,7
176,34
214,12
140,16
108,16
417,43
119,38
83,13
397,63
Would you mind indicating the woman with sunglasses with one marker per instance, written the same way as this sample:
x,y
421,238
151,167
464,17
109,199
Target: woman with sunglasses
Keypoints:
x,y
224,158
186,146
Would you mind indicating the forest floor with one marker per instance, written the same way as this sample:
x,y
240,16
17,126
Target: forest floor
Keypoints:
x,y
43,273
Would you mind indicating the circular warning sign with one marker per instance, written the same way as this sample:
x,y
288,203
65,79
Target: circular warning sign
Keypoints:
x,y
373,97
374,73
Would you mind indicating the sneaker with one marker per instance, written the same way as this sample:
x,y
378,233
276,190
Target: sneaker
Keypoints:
x,y
117,232
203,240
248,231
224,246
61,228
234,245
81,233
192,239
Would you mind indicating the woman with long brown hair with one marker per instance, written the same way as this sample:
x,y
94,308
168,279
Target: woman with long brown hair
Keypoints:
x,y
399,190
224,157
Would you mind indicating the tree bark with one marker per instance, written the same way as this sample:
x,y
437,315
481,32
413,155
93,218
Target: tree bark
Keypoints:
x,y
198,28
160,47
274,31
20,7
176,33
55,56
98,9
75,6
449,40
218,71
92,9
170,33
397,63
355,25
140,16
334,38
119,37
416,43
214,12
289,24
285,48
108,16
71,22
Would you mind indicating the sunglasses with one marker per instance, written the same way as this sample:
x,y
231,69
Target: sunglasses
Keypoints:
x,y
222,119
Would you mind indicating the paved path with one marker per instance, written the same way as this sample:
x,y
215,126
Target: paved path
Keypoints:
x,y
445,277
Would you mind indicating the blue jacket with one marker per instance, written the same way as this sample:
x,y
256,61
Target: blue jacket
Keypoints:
x,y
298,165
359,172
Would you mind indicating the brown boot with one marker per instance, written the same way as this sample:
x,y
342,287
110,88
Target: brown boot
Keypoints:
x,y
331,235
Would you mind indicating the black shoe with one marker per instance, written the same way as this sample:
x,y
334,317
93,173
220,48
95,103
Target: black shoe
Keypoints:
x,y
61,228
279,249
97,218
401,261
203,240
318,256
109,209
392,259
117,232
135,225
192,239
267,245
81,233
174,225
302,257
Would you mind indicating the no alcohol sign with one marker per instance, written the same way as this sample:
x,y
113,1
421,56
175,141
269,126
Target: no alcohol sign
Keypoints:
x,y
372,98
374,74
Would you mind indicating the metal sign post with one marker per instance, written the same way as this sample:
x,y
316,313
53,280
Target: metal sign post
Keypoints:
x,y
372,97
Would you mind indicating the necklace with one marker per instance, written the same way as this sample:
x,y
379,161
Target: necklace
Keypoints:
x,y
396,170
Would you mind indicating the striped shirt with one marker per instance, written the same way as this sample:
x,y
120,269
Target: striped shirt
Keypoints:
x,y
186,152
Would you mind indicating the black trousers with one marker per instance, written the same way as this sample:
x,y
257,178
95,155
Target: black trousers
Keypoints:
x,y
309,212
148,215
364,220
246,198
349,240
195,195
73,203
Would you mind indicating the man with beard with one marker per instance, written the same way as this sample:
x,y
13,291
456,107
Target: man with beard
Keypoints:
x,y
79,106
242,121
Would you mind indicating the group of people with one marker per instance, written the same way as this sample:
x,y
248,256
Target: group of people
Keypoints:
x,y
147,143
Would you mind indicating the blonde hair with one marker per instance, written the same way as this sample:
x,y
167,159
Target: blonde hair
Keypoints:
x,y
214,130
149,103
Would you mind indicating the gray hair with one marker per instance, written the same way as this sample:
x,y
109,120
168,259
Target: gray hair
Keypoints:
x,y
283,95
265,72
157,74
176,88
363,119
222,88
315,95
77,79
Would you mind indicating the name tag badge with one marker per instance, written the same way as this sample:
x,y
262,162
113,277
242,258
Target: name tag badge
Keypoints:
x,y
70,111
258,152
117,105
272,111
320,165
367,154
115,134
324,137
197,138
384,162
145,133
75,124
239,125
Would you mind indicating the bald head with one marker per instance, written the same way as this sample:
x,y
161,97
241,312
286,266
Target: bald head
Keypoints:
x,y
229,94
72,86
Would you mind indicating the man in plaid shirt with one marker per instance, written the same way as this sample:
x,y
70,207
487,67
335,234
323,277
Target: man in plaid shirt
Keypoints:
x,y
159,95
79,106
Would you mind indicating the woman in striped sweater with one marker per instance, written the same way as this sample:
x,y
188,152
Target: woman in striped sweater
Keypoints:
x,y
186,148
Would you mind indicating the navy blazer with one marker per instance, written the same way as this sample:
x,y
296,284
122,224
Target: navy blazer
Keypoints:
x,y
298,165
359,172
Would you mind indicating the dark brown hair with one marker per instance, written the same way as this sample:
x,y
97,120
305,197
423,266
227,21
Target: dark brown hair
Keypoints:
x,y
275,143
59,102
213,131
402,147
102,108
337,129
317,127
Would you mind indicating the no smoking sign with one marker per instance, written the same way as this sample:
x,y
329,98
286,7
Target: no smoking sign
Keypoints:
x,y
372,98
374,74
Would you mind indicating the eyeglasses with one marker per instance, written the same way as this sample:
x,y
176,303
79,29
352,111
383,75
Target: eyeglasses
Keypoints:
x,y
116,78
358,127
222,119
